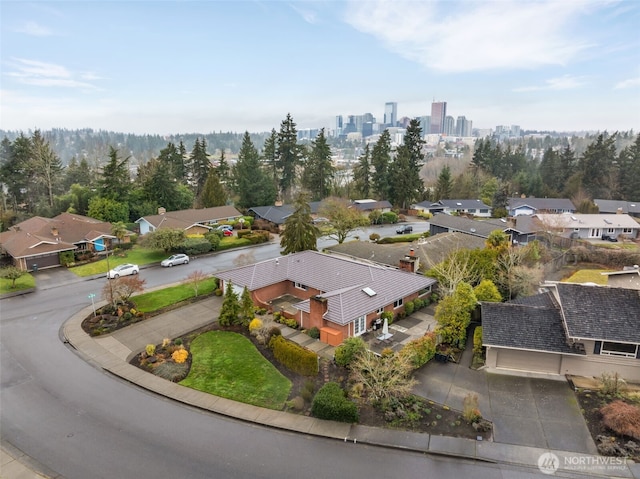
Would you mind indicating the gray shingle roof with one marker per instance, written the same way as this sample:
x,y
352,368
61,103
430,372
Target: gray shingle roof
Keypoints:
x,y
542,203
543,300
611,206
519,326
274,214
465,204
192,216
340,279
600,312
467,225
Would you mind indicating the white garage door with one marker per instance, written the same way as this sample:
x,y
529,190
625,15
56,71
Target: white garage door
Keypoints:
x,y
529,361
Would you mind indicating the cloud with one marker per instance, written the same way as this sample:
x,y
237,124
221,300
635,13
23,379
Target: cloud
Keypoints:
x,y
473,36
34,29
308,16
566,82
629,83
37,73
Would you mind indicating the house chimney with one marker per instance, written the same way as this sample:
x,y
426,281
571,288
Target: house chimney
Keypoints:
x,y
54,231
278,203
409,263
317,309
161,210
619,211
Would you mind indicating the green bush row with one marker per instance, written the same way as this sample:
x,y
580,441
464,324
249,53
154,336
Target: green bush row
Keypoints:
x,y
294,357
195,246
420,351
331,403
235,244
477,340
255,236
345,353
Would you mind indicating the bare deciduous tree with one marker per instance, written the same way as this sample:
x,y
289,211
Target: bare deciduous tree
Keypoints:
x,y
195,279
383,377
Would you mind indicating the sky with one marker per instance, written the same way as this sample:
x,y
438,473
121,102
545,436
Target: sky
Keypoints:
x,y
170,67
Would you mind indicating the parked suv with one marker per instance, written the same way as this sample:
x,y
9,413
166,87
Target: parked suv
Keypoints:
x,y
404,229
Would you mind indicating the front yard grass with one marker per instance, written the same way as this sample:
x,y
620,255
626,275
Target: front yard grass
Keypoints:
x,y
25,281
155,300
135,255
588,276
227,364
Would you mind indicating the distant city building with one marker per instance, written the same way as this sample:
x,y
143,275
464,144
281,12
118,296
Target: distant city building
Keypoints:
x,y
308,133
503,132
404,122
425,124
390,113
338,130
449,126
438,115
463,127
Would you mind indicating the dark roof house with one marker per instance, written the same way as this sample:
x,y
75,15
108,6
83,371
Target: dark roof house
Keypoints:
x,y
191,220
631,208
531,206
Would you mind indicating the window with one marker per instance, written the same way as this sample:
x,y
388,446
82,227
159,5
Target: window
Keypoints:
x,y
471,210
380,311
611,231
424,291
595,233
627,230
619,349
359,326
484,210
300,286
397,303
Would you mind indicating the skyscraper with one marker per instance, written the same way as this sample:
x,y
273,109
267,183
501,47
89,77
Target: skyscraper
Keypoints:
x,y
338,125
463,126
438,114
390,113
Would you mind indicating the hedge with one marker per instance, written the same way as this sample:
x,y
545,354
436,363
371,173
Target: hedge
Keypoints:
x,y
331,403
294,357
194,246
420,351
477,340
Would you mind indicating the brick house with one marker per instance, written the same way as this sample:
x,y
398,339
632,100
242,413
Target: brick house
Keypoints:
x,y
340,296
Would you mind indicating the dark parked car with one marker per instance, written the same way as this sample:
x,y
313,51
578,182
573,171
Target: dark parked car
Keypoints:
x,y
404,229
613,239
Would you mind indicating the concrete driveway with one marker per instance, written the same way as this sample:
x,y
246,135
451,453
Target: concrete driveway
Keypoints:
x,y
525,411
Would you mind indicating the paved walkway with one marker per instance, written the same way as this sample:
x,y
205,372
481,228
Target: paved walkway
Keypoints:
x,y
112,352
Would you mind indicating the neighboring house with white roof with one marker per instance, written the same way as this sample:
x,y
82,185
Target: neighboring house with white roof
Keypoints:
x,y
594,227
532,206
192,221
342,297
469,207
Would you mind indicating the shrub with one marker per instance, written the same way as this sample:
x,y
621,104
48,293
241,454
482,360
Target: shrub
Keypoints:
x,y
622,418
374,237
213,238
331,403
409,307
292,323
195,246
420,351
610,383
67,258
388,315
307,390
314,333
477,340
389,217
218,292
172,371
150,349
180,355
418,304
255,325
346,352
294,357
177,341
470,410
166,342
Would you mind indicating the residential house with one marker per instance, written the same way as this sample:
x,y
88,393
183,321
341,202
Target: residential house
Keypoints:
x,y
278,214
572,329
36,243
366,206
468,207
523,229
447,224
428,251
590,226
629,277
631,208
531,206
192,221
341,297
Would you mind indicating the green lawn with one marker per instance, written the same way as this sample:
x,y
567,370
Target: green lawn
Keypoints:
x,y
588,276
25,281
228,365
149,302
136,255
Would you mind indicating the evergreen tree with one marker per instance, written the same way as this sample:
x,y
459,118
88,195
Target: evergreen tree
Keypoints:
x,y
15,168
300,234
46,167
172,159
318,170
224,170
401,192
362,174
444,185
380,159
78,173
596,166
187,167
230,307
247,308
414,144
114,182
200,166
550,172
629,172
252,184
567,167
270,157
289,156
160,186
213,193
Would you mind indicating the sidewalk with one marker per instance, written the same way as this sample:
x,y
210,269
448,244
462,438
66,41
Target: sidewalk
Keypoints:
x,y
112,353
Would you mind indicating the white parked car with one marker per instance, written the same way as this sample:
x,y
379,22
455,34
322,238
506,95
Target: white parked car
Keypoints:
x,y
175,259
123,270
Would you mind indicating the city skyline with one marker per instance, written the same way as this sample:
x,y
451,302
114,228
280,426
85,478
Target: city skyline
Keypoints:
x,y
176,67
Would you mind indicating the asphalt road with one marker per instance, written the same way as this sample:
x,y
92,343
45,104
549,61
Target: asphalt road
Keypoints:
x,y
83,423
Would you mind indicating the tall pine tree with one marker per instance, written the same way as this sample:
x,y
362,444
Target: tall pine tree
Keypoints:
x,y
289,156
252,184
300,234
318,169
362,174
380,159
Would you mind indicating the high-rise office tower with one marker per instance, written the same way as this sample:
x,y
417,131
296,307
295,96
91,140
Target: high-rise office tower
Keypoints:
x,y
449,126
425,125
463,126
338,125
390,113
438,114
